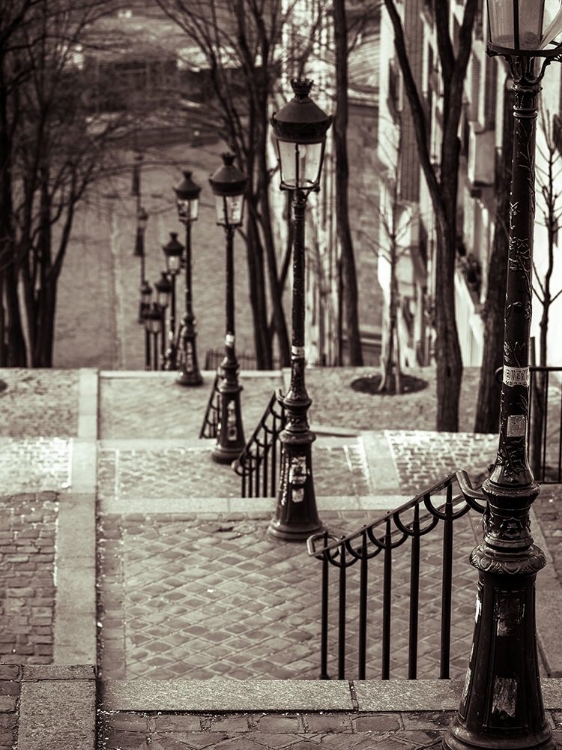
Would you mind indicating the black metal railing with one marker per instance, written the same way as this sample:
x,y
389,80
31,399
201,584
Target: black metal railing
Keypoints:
x,y
544,426
209,428
258,464
380,587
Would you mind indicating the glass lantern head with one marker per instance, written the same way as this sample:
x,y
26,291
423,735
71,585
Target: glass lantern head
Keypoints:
x,y
300,129
146,293
163,290
229,185
524,27
173,251
187,198
153,319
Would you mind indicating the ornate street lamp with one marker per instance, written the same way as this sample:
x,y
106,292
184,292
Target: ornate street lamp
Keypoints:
x,y
163,295
153,327
142,220
501,705
300,130
229,185
187,199
173,251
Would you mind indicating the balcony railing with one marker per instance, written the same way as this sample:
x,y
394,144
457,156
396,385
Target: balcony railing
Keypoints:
x,y
363,590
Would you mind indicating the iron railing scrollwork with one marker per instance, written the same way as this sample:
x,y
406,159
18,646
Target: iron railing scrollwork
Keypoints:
x,y
258,464
209,428
411,521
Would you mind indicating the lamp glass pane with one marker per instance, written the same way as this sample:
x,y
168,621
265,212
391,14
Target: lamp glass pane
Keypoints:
x,y
502,23
552,26
173,263
300,164
162,299
188,209
146,295
154,324
230,209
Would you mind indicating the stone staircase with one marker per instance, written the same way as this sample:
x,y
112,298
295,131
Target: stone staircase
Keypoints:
x,y
189,593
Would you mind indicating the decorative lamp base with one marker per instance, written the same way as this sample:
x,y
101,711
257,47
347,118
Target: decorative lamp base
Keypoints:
x,y
190,378
230,432
296,517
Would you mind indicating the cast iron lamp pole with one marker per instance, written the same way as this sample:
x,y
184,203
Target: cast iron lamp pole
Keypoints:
x,y
142,220
146,295
229,185
300,130
501,705
173,252
153,324
187,199
163,294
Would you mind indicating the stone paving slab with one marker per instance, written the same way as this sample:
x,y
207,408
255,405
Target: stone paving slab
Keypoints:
x,y
39,403
201,596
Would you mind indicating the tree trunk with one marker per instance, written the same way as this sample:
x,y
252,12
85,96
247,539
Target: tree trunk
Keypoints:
x,y
489,389
447,348
17,353
342,185
262,340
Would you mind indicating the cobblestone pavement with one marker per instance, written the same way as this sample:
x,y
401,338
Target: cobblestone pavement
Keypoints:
x,y
176,472
27,585
298,731
423,459
158,408
335,403
210,595
35,464
39,403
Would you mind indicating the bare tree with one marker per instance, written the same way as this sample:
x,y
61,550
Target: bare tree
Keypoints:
x,y
240,41
442,184
52,151
350,291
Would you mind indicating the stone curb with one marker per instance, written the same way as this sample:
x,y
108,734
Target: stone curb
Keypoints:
x,y
548,606
218,695
75,609
264,505
57,708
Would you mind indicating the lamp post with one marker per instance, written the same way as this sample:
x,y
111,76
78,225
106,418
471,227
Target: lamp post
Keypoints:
x,y
173,251
163,294
142,220
229,185
153,327
501,705
187,201
146,296
300,130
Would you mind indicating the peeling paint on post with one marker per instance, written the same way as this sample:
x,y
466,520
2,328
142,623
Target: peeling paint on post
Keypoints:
x,y
504,700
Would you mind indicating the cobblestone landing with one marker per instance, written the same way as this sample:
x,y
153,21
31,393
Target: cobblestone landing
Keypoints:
x,y
204,596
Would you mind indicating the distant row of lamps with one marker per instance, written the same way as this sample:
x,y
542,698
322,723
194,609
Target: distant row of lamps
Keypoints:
x,y
167,346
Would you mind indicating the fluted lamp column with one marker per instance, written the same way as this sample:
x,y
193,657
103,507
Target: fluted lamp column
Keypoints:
x,y
229,186
300,129
187,201
173,252
501,704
